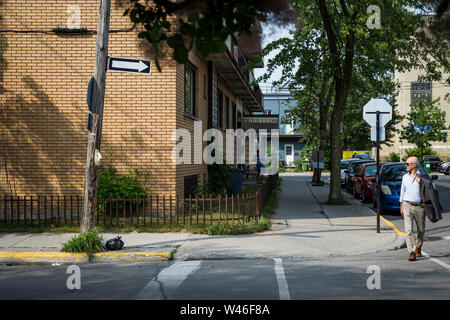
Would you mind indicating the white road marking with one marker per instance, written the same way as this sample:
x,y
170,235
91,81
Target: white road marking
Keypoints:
x,y
446,238
168,281
281,279
436,260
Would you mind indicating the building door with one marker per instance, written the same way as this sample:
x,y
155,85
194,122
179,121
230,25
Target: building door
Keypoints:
x,y
289,152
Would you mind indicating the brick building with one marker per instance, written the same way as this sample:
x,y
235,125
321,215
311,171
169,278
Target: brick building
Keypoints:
x,y
44,75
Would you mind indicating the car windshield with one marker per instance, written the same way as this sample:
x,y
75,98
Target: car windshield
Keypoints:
x,y
370,171
394,173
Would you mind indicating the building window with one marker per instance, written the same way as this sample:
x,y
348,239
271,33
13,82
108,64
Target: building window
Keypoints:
x,y
289,150
220,108
189,89
420,89
190,184
227,112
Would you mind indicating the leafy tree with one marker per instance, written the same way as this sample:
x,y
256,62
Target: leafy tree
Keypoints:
x,y
415,152
201,25
426,121
355,51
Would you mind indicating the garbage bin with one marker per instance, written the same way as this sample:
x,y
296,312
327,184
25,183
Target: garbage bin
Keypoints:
x,y
427,166
235,182
304,165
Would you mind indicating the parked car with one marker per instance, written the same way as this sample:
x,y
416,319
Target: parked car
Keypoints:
x,y
390,178
352,168
344,166
362,156
362,181
444,168
434,161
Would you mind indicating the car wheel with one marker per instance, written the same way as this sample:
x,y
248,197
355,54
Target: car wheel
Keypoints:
x,y
447,172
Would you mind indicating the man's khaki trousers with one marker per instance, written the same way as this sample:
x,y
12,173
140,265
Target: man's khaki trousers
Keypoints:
x,y
414,214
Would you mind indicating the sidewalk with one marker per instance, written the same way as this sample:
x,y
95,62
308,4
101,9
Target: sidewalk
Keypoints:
x,y
302,228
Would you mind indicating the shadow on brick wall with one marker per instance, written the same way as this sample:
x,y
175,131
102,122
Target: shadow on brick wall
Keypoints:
x,y
34,131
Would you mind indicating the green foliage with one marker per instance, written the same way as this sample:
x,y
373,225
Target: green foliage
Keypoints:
x,y
220,176
333,48
201,25
393,157
89,242
115,185
415,152
425,112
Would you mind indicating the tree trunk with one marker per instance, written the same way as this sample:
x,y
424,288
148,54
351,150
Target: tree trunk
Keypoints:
x,y
324,107
336,151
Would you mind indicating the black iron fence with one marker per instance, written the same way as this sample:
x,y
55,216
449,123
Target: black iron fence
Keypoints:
x,y
138,211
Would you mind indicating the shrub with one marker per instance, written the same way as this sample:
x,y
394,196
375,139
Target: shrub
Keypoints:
x,y
393,157
113,185
220,176
415,152
89,242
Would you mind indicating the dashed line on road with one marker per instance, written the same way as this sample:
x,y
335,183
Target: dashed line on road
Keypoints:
x,y
446,266
281,279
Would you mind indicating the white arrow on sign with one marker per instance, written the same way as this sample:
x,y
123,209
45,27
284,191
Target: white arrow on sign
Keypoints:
x,y
129,65
139,66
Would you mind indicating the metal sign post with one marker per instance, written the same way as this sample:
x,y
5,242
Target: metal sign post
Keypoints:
x,y
378,163
378,112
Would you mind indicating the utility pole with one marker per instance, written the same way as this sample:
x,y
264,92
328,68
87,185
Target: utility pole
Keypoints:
x,y
98,95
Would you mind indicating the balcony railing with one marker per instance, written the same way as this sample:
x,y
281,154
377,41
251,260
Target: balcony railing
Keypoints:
x,y
241,61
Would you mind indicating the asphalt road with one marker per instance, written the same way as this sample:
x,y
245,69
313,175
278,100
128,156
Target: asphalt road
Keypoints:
x,y
381,275
244,279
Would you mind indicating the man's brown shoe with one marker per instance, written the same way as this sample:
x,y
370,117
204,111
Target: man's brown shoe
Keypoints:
x,y
412,256
418,252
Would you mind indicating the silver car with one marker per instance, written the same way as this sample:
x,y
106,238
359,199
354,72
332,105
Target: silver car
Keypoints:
x,y
444,168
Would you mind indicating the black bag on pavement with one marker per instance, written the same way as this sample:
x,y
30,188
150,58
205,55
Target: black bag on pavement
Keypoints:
x,y
114,244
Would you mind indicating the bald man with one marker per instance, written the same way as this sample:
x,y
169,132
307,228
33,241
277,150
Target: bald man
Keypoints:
x,y
412,208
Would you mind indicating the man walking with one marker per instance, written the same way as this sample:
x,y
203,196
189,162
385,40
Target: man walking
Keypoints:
x,y
412,208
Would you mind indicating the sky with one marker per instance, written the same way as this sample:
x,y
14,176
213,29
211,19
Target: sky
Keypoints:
x,y
271,33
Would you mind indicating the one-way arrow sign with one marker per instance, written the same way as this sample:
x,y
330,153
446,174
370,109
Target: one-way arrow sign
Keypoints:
x,y
129,65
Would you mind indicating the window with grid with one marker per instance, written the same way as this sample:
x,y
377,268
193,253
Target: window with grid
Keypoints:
x,y
420,90
189,89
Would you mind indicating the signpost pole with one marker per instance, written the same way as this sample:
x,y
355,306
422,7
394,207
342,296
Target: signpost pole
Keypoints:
x,y
371,113
94,139
378,172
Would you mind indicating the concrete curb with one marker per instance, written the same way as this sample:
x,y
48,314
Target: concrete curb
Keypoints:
x,y
65,257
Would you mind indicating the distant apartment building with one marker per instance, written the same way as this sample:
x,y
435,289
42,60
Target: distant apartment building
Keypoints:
x,y
411,89
277,101
44,74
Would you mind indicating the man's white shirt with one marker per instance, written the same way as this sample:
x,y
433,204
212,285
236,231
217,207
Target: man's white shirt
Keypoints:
x,y
410,189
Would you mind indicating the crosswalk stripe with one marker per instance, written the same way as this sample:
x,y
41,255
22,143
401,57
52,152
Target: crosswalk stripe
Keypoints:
x,y
168,281
446,266
281,279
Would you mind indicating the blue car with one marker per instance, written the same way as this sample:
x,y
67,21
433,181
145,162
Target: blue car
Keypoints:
x,y
391,175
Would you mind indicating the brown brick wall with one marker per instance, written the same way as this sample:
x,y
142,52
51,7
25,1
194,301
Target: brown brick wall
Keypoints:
x,y
44,79
184,121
